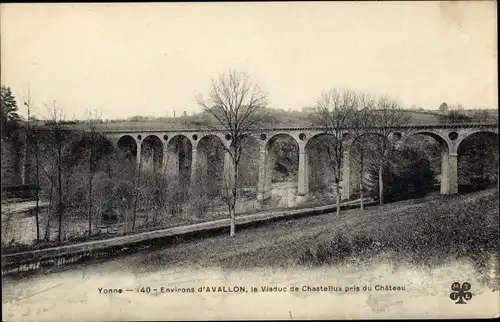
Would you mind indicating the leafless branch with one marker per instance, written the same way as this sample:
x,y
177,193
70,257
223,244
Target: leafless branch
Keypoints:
x,y
236,105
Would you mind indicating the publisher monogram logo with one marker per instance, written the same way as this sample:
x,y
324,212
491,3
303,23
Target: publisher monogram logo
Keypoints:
x,y
460,292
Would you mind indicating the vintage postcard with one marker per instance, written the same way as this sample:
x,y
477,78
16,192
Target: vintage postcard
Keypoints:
x,y
249,160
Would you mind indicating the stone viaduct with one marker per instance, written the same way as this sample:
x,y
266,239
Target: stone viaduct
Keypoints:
x,y
449,137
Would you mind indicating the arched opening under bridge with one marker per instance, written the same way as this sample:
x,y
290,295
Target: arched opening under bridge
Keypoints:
x,y
281,170
320,168
362,165
432,148
210,163
248,169
152,154
478,161
126,154
179,162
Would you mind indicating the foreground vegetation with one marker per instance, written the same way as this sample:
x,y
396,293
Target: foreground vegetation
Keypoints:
x,y
428,232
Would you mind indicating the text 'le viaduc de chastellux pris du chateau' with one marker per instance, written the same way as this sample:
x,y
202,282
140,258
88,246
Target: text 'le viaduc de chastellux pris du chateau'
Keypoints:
x,y
255,289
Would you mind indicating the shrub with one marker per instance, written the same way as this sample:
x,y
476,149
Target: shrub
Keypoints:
x,y
455,117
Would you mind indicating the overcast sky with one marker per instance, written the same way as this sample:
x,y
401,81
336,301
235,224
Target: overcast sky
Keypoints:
x,y
151,59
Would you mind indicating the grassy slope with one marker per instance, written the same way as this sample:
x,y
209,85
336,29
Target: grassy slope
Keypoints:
x,y
419,231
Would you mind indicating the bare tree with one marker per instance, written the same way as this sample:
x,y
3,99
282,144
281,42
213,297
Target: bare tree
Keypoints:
x,y
33,141
92,121
360,128
388,116
48,168
443,107
335,110
37,188
57,116
236,104
136,189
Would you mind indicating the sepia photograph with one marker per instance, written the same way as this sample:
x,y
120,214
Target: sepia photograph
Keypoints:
x,y
249,160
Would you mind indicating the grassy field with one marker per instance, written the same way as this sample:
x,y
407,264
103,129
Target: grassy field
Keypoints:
x,y
427,232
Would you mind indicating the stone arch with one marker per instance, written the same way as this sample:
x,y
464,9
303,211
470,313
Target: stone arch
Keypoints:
x,y
210,141
248,170
126,153
179,139
358,166
489,133
281,167
287,153
320,179
436,136
210,164
151,153
442,160
179,156
277,136
477,160
128,146
211,137
316,137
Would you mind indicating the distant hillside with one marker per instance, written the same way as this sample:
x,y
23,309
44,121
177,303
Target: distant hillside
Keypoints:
x,y
276,118
417,117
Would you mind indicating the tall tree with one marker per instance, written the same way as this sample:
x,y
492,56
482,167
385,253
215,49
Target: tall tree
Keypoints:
x,y
335,110
443,107
33,140
37,191
236,104
47,164
9,109
388,117
92,121
138,171
57,116
360,132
